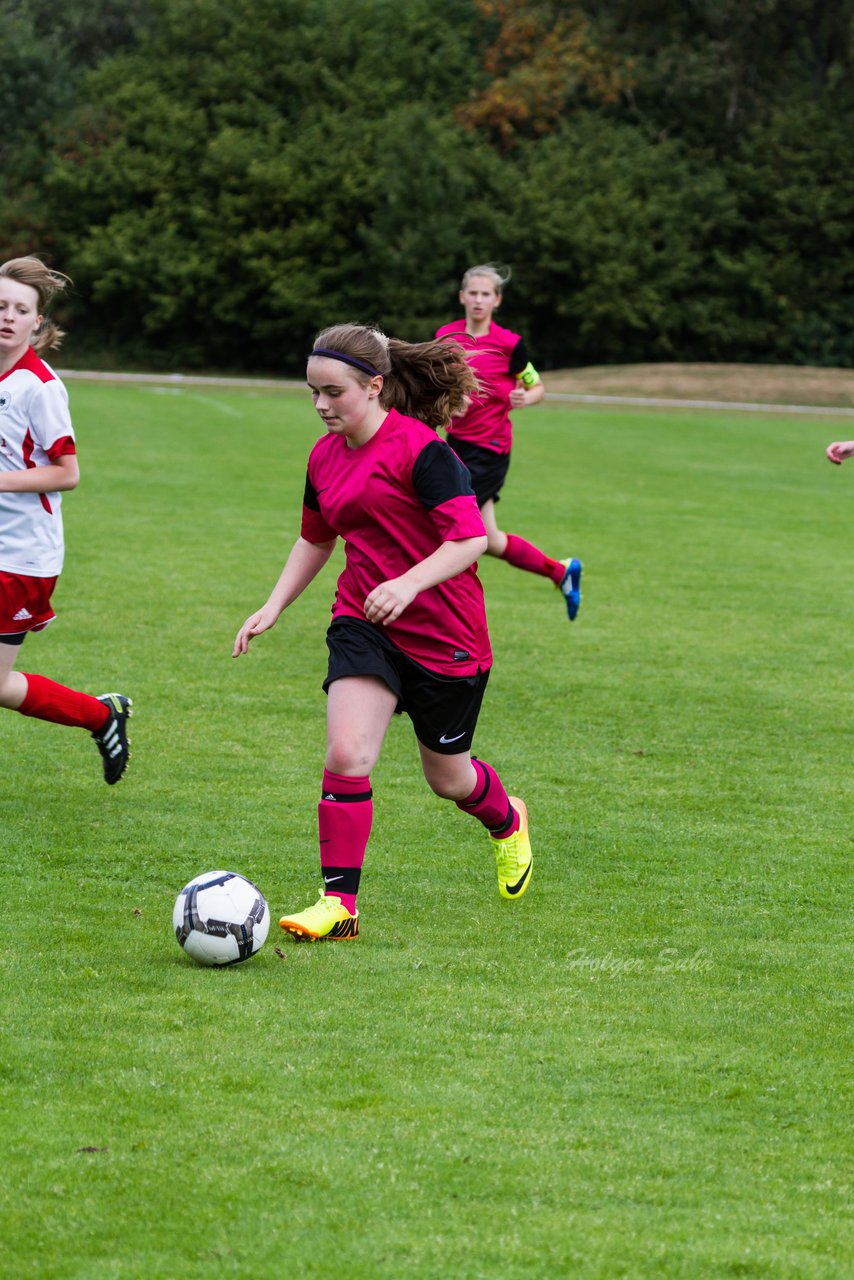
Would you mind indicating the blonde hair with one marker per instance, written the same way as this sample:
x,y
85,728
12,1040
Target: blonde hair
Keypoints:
x,y
431,381
47,283
499,275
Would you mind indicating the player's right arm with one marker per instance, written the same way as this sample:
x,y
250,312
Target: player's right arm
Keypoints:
x,y
840,450
50,423
301,567
54,477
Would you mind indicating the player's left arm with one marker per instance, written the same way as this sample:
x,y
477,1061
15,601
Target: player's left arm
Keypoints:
x,y
388,600
443,486
529,388
524,395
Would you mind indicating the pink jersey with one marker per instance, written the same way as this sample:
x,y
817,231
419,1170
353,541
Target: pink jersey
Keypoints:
x,y
496,358
35,430
394,501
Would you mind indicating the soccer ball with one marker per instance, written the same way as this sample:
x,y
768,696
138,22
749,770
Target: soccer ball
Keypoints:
x,y
220,918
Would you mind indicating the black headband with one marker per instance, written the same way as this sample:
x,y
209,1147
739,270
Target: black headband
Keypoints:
x,y
339,355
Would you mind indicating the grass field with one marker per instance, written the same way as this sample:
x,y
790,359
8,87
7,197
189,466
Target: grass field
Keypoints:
x,y
639,1070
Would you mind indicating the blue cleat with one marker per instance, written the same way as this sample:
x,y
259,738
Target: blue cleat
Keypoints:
x,y
570,585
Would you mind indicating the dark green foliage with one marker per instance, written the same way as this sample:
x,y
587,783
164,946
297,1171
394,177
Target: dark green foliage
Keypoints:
x,y
706,69
221,179
619,263
218,209
47,48
795,181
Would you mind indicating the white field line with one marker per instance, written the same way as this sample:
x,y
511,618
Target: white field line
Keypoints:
x,y
207,401
182,379
282,384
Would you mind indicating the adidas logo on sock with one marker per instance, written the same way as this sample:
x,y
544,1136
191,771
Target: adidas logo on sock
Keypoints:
x,y
22,615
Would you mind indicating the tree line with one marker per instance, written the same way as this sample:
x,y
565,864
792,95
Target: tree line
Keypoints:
x,y
669,179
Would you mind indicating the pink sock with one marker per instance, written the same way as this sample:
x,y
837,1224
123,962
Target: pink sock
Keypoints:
x,y
47,700
344,818
489,802
524,555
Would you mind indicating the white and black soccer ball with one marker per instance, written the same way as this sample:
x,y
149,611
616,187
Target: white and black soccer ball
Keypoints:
x,y
221,918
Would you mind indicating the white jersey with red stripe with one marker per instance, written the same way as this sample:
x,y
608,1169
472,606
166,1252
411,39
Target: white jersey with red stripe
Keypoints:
x,y
35,430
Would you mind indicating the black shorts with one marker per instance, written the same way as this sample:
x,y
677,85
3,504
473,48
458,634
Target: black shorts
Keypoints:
x,y
443,709
488,470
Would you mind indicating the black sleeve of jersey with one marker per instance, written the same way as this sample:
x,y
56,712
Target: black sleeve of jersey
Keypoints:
x,y
519,357
438,475
310,497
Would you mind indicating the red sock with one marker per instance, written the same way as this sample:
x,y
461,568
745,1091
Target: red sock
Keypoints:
x,y
47,700
344,818
524,555
489,802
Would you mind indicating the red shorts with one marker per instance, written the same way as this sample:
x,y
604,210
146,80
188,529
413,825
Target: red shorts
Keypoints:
x,y
24,603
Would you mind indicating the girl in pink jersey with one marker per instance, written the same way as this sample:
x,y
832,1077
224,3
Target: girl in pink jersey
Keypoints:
x,y
38,461
482,434
408,629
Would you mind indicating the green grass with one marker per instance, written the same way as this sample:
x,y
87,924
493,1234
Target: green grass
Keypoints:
x,y
637,1071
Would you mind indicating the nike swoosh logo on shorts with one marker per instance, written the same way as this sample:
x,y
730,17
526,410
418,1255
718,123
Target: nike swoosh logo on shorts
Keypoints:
x,y
454,739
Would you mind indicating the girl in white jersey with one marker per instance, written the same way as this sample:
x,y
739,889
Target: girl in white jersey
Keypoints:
x,y
38,462
408,628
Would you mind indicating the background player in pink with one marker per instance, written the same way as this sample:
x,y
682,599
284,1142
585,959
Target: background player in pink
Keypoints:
x,y
38,461
482,435
408,629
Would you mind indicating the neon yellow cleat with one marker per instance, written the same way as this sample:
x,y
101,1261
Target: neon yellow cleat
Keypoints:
x,y
327,921
513,856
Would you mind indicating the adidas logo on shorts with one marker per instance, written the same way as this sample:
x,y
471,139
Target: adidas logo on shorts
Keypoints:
x,y
22,615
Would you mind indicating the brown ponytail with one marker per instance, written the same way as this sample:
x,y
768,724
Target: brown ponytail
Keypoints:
x,y
431,381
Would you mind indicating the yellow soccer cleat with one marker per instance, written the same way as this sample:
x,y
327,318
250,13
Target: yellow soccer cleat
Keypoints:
x,y
327,921
513,856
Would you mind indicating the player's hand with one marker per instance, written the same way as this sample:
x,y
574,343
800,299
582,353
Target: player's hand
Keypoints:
x,y
518,398
260,621
387,601
840,450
